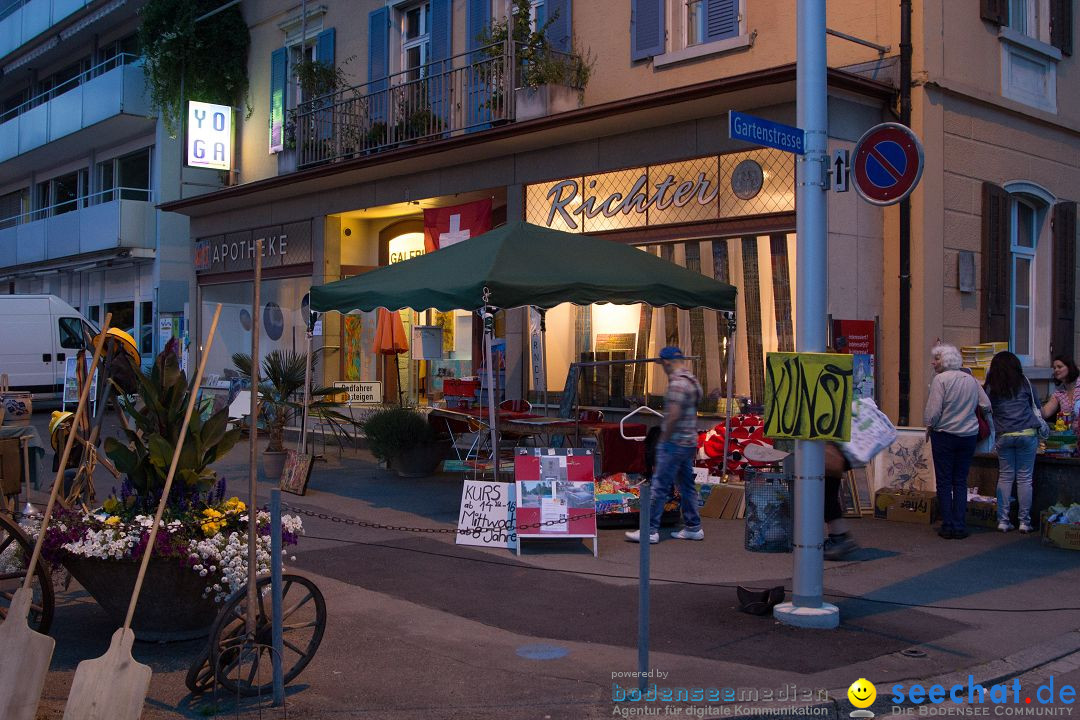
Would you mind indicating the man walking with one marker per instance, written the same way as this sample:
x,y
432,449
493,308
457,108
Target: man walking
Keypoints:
x,y
675,450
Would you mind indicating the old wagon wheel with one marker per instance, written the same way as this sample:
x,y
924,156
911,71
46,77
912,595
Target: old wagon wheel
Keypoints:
x,y
16,547
243,665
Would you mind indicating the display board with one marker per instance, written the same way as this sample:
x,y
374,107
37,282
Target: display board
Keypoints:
x,y
71,382
486,517
556,493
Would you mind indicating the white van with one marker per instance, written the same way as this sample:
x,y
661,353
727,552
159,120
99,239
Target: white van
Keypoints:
x,y
37,334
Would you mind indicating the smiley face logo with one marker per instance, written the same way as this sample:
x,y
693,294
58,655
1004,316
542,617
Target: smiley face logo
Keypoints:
x,y
862,693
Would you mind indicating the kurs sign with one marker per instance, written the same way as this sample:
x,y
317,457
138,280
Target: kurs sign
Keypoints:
x,y
282,245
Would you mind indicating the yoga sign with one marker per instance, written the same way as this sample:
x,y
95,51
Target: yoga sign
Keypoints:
x,y
808,396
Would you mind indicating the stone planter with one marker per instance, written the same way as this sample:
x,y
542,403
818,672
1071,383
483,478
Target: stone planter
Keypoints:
x,y
18,407
546,100
273,463
421,461
171,605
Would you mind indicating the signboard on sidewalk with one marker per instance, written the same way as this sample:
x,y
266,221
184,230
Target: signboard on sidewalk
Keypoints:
x,y
486,517
556,493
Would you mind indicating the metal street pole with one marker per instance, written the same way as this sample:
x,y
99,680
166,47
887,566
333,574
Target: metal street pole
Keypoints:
x,y
806,608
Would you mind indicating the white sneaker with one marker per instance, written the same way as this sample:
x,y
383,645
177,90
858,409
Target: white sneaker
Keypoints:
x,y
1005,527
635,536
1025,528
687,534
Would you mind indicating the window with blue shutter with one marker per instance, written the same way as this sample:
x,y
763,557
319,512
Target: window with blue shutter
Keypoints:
x,y
439,85
646,28
278,70
378,66
721,19
324,54
324,47
478,94
560,32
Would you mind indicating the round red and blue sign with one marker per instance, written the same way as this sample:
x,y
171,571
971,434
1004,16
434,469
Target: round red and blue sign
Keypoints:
x,y
887,163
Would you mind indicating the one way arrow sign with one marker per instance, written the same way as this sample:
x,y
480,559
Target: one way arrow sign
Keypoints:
x,y
840,166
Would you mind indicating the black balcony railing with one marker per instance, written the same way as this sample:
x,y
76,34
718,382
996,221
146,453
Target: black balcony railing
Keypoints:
x,y
461,94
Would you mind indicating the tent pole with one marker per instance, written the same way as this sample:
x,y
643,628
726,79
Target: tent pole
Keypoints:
x,y
543,353
489,330
307,389
730,389
253,440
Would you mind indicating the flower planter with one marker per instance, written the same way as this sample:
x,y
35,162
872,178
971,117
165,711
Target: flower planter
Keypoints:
x,y
273,463
171,605
421,461
546,100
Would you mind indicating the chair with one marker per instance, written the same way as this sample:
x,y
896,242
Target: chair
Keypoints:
x,y
590,416
518,406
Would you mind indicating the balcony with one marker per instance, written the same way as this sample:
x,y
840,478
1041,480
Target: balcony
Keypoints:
x,y
117,218
23,20
462,94
113,89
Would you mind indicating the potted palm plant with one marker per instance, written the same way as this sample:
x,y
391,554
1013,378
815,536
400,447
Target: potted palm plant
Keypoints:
x,y
405,440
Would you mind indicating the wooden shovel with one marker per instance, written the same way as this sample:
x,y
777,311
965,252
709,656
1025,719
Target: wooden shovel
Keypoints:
x,y
26,655
114,686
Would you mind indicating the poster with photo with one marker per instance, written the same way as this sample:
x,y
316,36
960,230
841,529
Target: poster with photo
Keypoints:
x,y
556,492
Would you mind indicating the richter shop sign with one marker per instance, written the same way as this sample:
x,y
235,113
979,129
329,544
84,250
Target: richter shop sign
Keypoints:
x,y
282,245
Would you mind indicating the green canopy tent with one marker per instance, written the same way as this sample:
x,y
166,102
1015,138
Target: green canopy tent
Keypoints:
x,y
521,264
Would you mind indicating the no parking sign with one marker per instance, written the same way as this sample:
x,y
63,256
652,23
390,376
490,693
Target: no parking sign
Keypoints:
x,y
887,164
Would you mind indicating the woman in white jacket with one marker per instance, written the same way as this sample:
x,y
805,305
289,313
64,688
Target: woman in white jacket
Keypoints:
x,y
954,431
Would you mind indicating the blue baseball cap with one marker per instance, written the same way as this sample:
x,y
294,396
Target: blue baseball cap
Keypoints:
x,y
671,353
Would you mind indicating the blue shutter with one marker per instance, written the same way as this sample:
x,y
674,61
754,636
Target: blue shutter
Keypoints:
x,y
646,28
378,64
278,69
721,19
478,94
560,32
439,85
324,47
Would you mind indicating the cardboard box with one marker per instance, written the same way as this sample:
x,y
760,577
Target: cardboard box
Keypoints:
x,y
1062,535
916,506
981,513
724,502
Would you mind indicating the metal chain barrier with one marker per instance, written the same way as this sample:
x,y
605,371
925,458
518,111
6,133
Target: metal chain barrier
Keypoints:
x,y
434,531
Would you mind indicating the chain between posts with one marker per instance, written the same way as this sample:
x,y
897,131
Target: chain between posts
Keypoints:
x,y
433,531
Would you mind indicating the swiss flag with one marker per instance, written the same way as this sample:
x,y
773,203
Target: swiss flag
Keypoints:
x,y
448,225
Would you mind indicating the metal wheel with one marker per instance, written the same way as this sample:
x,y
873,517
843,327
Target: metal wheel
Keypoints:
x,y
243,665
16,547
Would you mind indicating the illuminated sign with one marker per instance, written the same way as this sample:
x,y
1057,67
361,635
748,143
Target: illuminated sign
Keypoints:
x,y
209,136
406,247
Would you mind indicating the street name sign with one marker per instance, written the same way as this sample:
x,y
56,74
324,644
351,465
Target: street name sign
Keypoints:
x,y
760,131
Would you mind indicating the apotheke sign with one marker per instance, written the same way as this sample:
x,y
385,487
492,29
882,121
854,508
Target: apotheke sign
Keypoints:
x,y
282,245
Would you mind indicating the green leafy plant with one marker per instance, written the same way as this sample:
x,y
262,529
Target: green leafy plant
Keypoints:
x,y
395,431
184,60
281,389
158,416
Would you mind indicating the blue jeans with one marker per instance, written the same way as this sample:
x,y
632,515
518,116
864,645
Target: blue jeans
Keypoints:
x,y
1016,462
952,460
674,463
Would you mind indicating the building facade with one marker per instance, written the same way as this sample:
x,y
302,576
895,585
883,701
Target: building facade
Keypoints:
x,y
84,163
429,117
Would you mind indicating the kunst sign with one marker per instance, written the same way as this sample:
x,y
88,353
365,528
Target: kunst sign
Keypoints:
x,y
808,396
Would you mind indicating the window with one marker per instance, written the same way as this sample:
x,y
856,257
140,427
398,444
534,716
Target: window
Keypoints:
x,y
62,194
537,14
1023,16
695,22
671,31
145,337
71,333
128,174
12,207
1025,235
415,39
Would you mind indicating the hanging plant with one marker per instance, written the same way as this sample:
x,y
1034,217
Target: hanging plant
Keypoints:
x,y
188,61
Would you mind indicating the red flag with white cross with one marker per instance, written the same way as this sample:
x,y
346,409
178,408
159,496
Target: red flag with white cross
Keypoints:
x,y
446,226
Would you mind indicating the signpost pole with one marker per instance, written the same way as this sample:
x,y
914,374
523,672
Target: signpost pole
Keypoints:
x,y
806,608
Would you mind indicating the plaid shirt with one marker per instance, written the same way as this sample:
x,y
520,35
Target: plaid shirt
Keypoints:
x,y
683,392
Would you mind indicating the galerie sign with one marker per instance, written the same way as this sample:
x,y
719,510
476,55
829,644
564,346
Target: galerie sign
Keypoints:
x,y
281,245
210,136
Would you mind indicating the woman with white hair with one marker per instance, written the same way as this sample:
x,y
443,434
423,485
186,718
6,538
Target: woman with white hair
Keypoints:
x,y
954,431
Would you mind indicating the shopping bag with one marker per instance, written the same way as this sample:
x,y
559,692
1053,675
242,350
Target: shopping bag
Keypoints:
x,y
871,432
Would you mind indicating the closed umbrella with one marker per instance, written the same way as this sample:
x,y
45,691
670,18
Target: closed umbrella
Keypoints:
x,y
390,339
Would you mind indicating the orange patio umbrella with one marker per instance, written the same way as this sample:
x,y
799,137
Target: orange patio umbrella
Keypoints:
x,y
390,339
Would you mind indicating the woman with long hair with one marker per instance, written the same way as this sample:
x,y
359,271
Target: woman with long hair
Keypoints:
x,y
954,431
1066,397
1016,426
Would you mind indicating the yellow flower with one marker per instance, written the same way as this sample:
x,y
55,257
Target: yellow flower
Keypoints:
x,y
211,529
112,521
111,505
235,505
212,514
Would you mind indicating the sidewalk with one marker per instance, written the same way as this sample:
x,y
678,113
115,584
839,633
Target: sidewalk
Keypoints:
x,y
422,628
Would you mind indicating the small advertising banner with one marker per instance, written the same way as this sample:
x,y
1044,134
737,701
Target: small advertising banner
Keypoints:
x,y
71,382
854,336
486,517
808,396
556,493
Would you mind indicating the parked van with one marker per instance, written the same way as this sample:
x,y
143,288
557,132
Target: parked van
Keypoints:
x,y
37,334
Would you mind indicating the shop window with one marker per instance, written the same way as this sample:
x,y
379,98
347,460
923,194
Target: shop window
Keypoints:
x,y
145,337
123,316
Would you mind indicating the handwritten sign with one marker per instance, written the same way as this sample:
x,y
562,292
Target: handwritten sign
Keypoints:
x,y
360,393
487,515
808,396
